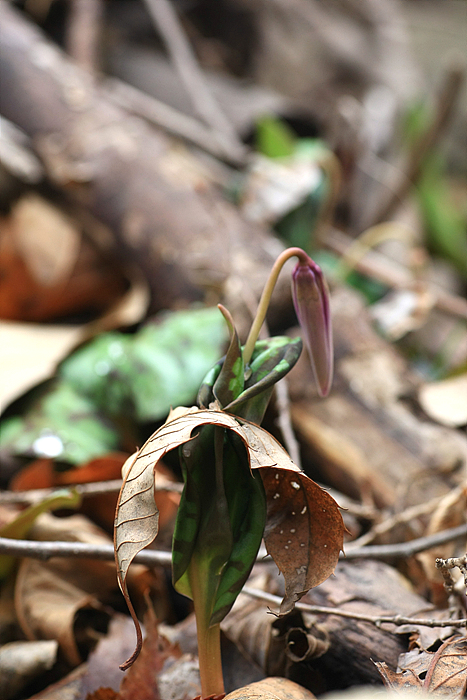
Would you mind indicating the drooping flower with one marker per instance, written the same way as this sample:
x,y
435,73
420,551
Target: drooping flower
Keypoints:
x,y
311,301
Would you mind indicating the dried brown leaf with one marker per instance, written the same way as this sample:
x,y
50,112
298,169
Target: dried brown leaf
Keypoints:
x,y
442,673
304,531
141,680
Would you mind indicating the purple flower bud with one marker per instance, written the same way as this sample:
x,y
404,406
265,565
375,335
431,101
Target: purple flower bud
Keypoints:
x,y
311,301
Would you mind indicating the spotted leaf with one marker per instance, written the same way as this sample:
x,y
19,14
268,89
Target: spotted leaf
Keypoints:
x,y
304,528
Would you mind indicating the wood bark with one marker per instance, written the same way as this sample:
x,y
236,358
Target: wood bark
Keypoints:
x,y
164,215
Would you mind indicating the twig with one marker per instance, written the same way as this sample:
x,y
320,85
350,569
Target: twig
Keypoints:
x,y
284,421
77,550
374,619
405,549
166,117
185,61
381,268
446,102
91,489
83,35
151,557
397,519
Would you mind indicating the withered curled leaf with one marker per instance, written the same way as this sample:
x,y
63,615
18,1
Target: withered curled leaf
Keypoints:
x,y
304,528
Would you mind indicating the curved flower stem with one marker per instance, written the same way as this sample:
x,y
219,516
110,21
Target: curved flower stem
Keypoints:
x,y
266,298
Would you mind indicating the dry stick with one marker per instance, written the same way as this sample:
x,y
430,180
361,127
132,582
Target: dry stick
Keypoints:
x,y
151,557
84,33
405,549
284,421
446,102
374,619
166,117
46,550
397,519
380,267
166,20
91,489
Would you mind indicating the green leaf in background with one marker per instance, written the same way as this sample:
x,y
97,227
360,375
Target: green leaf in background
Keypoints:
x,y
297,227
116,380
445,221
274,138
160,366
20,526
61,424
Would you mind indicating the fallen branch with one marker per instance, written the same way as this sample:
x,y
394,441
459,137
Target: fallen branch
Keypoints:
x,y
446,101
166,20
405,549
168,118
95,488
381,268
374,619
151,557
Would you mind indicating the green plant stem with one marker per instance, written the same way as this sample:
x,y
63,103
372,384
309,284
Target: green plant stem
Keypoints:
x,y
266,298
209,643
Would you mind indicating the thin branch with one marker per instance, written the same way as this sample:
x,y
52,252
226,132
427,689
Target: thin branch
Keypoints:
x,y
77,550
91,489
151,557
170,119
381,268
84,33
167,22
284,421
374,619
446,102
397,519
405,549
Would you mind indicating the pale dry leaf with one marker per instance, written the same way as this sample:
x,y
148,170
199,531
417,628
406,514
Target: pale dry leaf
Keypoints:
x,y
49,241
29,354
446,401
21,662
271,689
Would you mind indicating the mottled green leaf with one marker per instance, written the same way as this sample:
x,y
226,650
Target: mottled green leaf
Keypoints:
x,y
160,366
61,424
229,383
272,359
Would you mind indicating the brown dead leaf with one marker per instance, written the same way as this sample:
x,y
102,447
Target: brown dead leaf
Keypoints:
x,y
50,270
102,664
275,644
47,605
271,689
442,673
304,530
141,679
103,694
58,599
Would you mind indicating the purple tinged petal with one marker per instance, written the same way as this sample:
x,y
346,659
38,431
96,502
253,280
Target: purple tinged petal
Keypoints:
x,y
311,301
